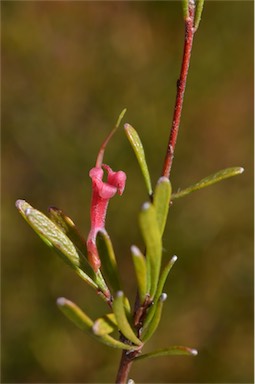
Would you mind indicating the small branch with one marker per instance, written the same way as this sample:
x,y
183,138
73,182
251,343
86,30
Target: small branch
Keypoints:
x,y
124,368
181,84
126,361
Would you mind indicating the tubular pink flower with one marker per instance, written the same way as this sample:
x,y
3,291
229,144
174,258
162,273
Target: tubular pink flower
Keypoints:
x,y
102,192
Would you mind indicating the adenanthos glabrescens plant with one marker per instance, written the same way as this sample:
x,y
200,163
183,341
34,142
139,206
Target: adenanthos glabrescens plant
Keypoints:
x,y
94,259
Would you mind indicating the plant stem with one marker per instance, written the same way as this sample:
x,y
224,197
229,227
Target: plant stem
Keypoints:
x,y
181,84
127,358
124,368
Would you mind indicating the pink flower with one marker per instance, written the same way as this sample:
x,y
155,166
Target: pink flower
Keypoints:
x,y
102,192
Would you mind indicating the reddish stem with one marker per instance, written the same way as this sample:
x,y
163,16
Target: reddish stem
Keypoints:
x,y
127,358
124,368
181,84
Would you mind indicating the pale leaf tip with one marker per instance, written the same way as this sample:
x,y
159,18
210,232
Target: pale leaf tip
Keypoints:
x,y
241,169
135,251
119,294
194,352
61,301
146,206
126,126
95,328
163,179
163,297
173,259
19,204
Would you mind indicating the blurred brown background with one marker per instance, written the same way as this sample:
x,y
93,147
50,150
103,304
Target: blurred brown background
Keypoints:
x,y
69,68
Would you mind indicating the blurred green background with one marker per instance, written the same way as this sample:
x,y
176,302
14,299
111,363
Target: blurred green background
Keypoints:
x,y
68,69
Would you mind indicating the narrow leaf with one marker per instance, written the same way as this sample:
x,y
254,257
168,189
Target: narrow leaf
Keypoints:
x,y
111,342
49,232
105,325
137,146
215,178
100,155
54,237
122,113
151,234
127,306
153,325
160,287
176,350
199,9
140,271
69,228
163,276
108,260
185,8
99,280
75,314
161,201
82,321
121,317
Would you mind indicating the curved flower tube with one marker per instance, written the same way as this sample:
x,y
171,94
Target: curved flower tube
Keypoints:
x,y
102,192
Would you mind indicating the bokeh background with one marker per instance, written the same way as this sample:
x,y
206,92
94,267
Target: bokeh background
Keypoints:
x,y
68,69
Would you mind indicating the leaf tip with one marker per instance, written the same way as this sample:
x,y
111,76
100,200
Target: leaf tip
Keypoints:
x,y
194,352
163,179
174,259
119,294
146,206
122,113
61,301
18,203
163,297
135,250
21,205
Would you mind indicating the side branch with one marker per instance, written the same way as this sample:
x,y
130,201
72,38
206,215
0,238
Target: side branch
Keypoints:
x,y
181,84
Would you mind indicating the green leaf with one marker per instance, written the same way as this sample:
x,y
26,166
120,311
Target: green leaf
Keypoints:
x,y
152,238
105,325
153,325
108,260
49,232
199,9
185,8
100,155
137,146
69,228
75,314
82,321
176,350
140,271
55,238
160,287
122,113
121,317
212,179
163,276
161,201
